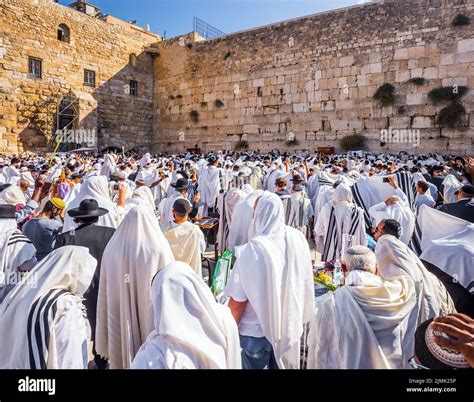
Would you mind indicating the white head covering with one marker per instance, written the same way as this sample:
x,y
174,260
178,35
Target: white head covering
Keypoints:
x,y
191,330
394,258
342,195
136,251
451,185
143,195
243,211
12,195
97,188
69,268
280,288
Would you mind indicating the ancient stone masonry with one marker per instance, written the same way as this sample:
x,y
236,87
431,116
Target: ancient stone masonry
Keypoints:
x,y
28,105
297,84
313,79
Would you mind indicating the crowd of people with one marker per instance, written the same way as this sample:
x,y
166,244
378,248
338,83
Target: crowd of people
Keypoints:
x,y
102,261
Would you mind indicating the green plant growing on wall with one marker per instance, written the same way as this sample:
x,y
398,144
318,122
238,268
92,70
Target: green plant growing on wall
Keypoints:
x,y
241,145
218,103
447,94
461,20
417,81
385,95
171,97
292,142
451,115
179,96
227,55
401,109
352,142
194,115
203,104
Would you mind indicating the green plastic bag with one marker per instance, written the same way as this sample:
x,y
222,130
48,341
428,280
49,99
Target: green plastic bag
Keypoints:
x,y
221,273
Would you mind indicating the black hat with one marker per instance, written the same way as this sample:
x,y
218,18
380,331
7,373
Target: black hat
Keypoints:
x,y
180,185
468,190
4,186
297,177
182,206
87,209
7,211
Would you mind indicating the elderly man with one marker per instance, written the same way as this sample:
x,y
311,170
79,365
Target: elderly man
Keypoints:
x,y
394,259
364,324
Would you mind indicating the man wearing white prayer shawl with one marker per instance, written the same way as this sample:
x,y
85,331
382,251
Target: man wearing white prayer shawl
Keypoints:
x,y
109,166
395,259
17,252
340,225
97,188
365,323
42,320
243,212
398,208
134,254
298,210
141,195
225,205
209,185
186,240
191,330
165,209
446,247
271,289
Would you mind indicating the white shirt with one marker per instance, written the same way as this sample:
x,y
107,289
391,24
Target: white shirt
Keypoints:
x,y
249,324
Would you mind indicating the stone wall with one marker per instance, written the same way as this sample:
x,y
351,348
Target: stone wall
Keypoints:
x,y
314,78
28,106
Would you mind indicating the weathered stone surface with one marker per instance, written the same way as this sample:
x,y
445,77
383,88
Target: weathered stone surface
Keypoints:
x,y
320,88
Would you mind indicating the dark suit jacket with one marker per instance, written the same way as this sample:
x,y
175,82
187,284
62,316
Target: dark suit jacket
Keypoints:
x,y
95,238
459,209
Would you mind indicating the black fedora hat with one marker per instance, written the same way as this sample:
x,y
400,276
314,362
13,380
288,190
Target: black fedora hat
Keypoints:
x,y
87,209
7,211
180,185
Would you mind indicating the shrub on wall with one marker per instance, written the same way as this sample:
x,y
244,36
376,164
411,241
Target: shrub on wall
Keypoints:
x,y
461,20
194,115
241,145
227,55
451,115
385,95
352,142
292,142
218,103
447,94
417,81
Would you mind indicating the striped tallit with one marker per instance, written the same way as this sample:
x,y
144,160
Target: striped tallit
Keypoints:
x,y
40,321
334,238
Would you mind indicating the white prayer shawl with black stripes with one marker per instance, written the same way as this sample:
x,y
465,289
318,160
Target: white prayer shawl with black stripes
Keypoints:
x,y
369,191
15,250
297,211
225,204
42,320
447,242
344,228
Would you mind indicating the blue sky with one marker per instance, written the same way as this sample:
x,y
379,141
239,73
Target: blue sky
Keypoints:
x,y
176,16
